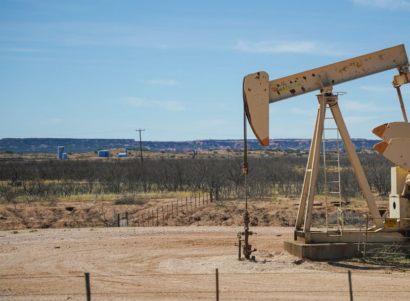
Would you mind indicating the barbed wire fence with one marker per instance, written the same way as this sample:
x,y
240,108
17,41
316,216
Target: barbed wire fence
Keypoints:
x,y
206,285
159,215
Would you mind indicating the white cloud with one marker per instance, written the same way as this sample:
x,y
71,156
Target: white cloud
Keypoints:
x,y
212,122
23,50
134,101
306,47
377,88
364,107
358,119
404,89
387,4
175,106
158,82
91,34
300,111
52,121
167,105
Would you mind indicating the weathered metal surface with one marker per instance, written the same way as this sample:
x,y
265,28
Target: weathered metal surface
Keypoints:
x,y
256,98
258,91
397,151
396,142
392,130
401,79
337,73
384,235
402,107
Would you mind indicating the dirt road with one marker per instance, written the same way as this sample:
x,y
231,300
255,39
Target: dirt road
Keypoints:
x,y
177,263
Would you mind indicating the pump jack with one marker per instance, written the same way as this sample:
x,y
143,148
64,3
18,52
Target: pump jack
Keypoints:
x,y
316,244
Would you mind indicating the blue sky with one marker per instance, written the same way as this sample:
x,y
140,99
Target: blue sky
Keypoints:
x,y
103,68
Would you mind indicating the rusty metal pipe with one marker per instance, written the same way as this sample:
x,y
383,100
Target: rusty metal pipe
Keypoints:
x,y
403,109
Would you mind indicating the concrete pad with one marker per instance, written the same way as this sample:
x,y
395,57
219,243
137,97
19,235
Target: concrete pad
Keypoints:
x,y
323,251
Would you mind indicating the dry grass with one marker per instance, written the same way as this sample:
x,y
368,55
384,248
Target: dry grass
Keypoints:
x,y
101,210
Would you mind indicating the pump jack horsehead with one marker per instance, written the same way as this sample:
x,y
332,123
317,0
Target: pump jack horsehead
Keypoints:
x,y
331,243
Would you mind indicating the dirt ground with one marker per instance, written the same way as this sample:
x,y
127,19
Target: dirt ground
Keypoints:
x,y
178,263
82,213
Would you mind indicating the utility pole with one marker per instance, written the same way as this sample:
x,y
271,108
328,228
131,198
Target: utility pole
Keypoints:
x,y
139,130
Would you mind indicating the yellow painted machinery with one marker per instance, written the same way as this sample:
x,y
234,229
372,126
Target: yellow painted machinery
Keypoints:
x,y
259,92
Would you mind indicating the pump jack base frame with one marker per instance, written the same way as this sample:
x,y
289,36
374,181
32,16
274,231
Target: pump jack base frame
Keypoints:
x,y
322,246
328,245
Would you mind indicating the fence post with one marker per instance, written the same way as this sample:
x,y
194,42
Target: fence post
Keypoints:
x,y
186,203
217,284
162,215
177,208
167,212
153,217
172,210
118,219
350,285
87,286
157,217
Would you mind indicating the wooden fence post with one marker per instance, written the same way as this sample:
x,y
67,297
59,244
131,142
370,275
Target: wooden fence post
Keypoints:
x,y
157,217
172,210
177,207
350,285
118,219
217,284
88,286
163,215
186,203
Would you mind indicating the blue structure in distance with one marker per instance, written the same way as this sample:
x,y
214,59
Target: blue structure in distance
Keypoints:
x,y
103,153
65,156
123,154
60,151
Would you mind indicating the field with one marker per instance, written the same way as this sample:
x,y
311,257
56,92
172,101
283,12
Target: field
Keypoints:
x,y
57,221
178,263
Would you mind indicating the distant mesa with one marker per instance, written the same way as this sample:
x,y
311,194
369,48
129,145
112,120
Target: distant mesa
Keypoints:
x,y
49,145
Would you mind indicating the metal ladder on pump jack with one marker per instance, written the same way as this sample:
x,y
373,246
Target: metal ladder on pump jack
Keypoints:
x,y
331,167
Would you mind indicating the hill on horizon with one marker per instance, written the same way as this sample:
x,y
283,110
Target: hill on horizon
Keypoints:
x,y
72,145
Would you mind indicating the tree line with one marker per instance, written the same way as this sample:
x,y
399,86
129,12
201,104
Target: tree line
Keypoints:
x,y
220,177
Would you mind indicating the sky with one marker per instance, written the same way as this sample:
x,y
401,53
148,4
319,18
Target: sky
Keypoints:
x,y
105,68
